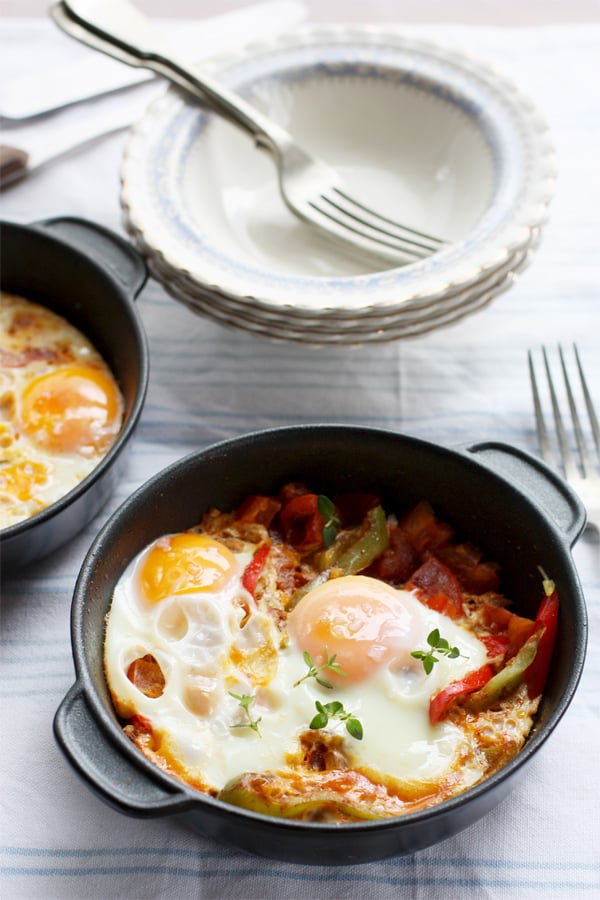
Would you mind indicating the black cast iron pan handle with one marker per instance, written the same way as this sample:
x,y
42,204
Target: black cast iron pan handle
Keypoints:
x,y
112,252
544,487
99,761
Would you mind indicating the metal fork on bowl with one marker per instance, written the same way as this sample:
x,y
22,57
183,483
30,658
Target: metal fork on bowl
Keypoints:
x,y
310,188
582,471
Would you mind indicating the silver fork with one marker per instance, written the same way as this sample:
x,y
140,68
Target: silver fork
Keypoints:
x,y
310,188
582,471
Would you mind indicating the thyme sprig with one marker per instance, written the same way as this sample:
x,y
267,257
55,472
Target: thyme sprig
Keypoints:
x,y
314,671
245,700
439,645
335,710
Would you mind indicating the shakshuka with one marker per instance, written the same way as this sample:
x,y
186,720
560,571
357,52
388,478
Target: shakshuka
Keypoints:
x,y
321,658
60,408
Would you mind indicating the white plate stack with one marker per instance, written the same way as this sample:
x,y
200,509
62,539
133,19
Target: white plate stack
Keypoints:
x,y
426,135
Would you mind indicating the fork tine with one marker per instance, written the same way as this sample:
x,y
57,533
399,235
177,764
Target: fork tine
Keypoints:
x,y
586,460
579,467
340,222
588,402
561,433
567,458
381,224
542,431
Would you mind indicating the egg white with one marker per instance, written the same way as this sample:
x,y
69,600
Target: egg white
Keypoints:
x,y
206,729
64,472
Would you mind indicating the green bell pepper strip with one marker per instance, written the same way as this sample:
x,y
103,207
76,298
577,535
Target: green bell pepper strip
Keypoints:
x,y
239,793
368,546
371,541
509,678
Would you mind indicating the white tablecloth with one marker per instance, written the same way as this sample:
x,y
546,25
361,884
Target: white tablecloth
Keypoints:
x,y
464,383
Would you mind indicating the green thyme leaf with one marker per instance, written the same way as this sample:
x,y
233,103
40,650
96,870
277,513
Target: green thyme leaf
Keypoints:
x,y
319,721
354,728
331,521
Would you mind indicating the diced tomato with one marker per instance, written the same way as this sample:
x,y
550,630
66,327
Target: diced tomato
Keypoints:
x,y
146,674
475,576
439,705
290,490
438,586
497,616
254,568
423,529
302,522
259,509
398,562
547,616
354,507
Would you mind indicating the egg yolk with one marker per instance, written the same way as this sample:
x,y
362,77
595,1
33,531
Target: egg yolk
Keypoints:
x,y
19,479
73,409
365,622
185,563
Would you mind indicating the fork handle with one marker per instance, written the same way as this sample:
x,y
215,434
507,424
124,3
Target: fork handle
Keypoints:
x,y
541,484
119,29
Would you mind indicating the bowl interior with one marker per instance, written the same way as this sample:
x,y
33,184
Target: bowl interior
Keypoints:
x,y
401,145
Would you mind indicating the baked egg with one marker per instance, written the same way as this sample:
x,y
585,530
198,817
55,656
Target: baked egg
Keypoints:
x,y
60,408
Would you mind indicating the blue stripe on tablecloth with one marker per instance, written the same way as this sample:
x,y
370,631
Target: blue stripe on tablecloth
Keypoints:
x,y
491,873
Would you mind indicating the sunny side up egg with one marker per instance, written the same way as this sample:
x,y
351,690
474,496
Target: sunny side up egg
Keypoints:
x,y
182,603
60,408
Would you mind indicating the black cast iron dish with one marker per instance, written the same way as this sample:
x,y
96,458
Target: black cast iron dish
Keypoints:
x,y
90,276
511,505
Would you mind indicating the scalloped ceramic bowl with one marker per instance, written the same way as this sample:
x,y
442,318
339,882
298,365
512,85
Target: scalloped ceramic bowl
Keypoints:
x,y
424,134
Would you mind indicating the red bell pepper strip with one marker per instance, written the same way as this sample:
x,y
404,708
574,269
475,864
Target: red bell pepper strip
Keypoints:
x,y
508,678
439,705
254,568
495,644
517,628
547,617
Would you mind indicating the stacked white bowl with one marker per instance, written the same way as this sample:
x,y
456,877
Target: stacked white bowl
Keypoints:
x,y
426,135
